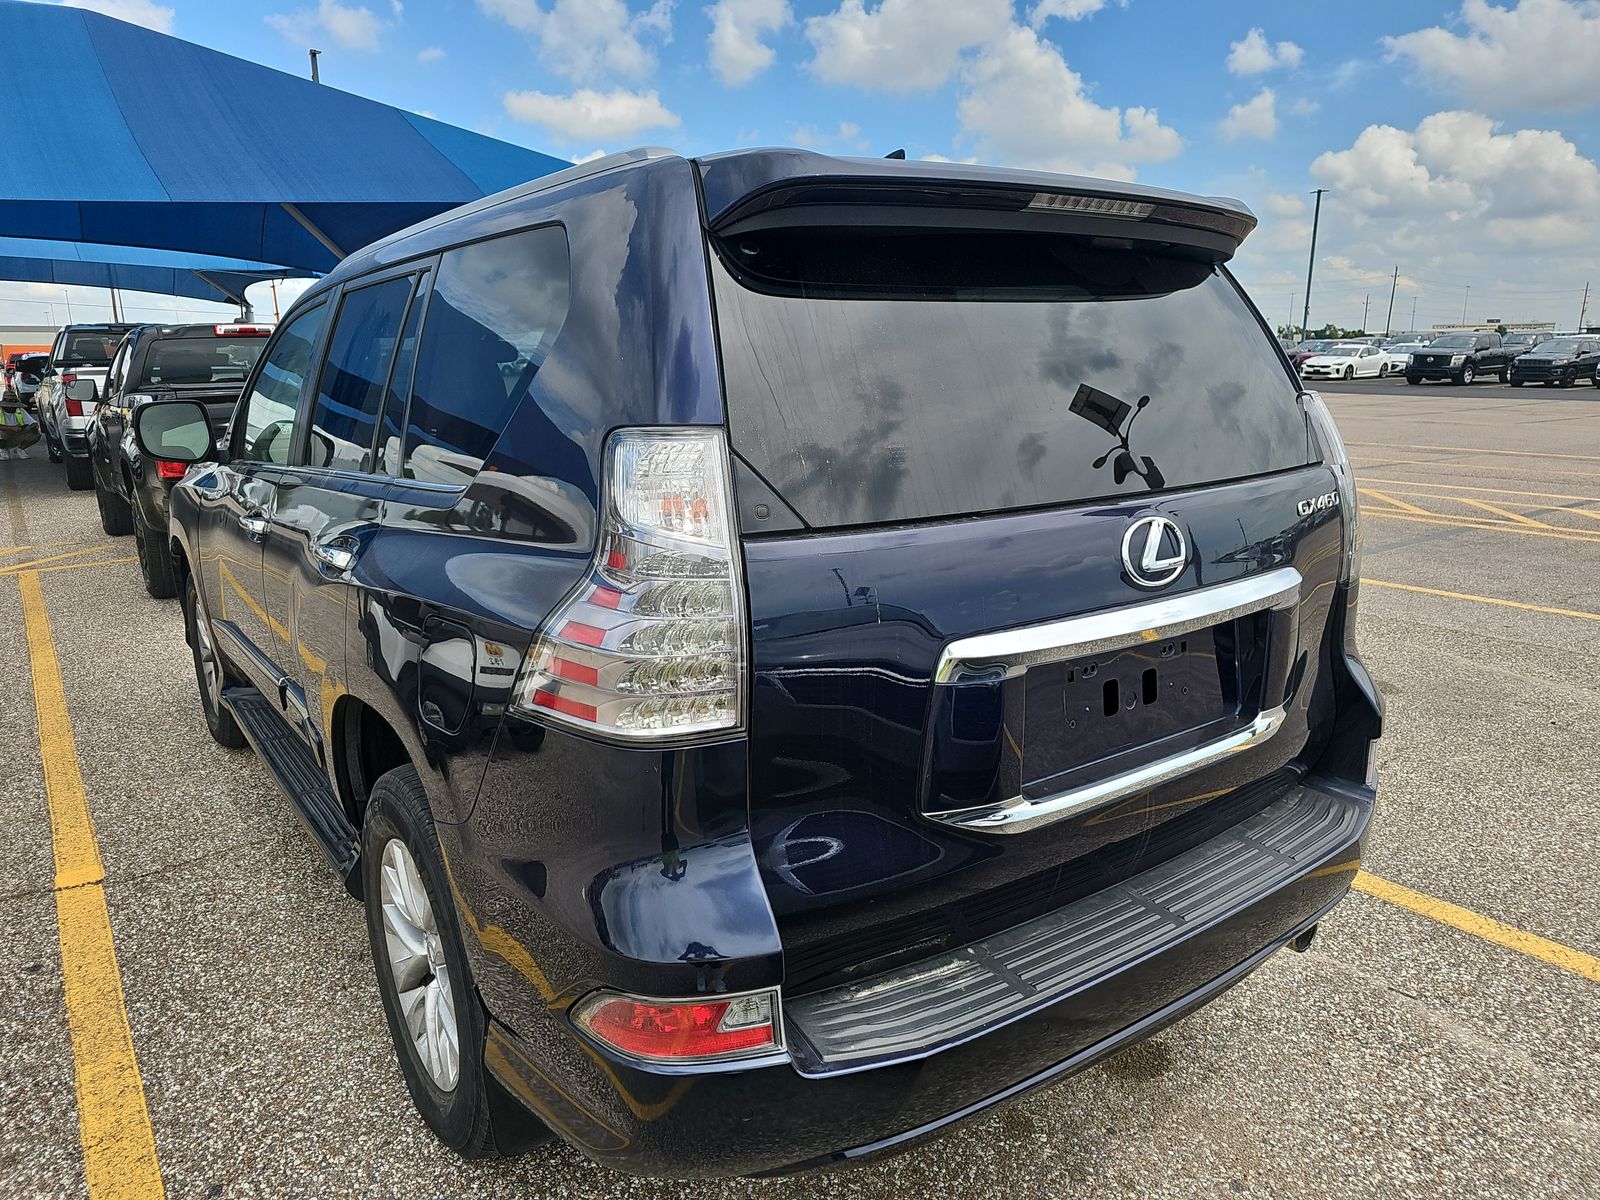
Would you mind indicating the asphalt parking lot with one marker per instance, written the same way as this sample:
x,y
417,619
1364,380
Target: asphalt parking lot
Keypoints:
x,y
1440,1039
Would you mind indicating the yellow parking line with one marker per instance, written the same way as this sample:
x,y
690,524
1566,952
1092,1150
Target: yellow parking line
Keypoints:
x,y
1393,503
1485,523
104,562
1479,450
1467,487
13,568
1483,927
1495,600
119,1149
14,549
1519,518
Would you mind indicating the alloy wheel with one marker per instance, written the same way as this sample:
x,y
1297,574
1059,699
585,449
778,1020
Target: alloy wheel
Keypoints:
x,y
205,656
418,967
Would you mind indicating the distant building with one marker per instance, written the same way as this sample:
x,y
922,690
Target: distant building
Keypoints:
x,y
1490,326
26,338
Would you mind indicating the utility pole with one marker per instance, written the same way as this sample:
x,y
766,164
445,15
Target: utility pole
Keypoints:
x,y
1388,322
1584,311
1316,216
1464,300
1293,296
315,77
1366,306
1413,312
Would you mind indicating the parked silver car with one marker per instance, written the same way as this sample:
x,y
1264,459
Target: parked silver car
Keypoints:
x,y
70,391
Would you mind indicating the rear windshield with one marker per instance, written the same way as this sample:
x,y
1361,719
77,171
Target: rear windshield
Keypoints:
x,y
179,361
89,348
879,376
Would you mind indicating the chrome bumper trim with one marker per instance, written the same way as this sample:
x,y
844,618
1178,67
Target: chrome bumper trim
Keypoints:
x,y
1019,814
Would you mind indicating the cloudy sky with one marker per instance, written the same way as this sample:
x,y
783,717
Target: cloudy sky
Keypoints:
x,y
1458,140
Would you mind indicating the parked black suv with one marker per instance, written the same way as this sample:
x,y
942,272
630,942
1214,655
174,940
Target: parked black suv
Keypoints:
x,y
784,664
155,363
1461,358
1559,362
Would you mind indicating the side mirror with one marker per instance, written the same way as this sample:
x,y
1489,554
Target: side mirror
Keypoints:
x,y
82,391
174,430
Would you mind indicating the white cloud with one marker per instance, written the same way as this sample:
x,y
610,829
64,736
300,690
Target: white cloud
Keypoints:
x,y
135,12
1023,105
1253,54
1284,204
1537,54
430,54
589,157
738,27
1303,107
589,40
1067,10
1255,118
346,26
1529,186
617,115
901,45
846,137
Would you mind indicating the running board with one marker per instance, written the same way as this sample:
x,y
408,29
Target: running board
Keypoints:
x,y
295,768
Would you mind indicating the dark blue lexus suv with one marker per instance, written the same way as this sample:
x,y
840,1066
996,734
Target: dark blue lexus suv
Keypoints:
x,y
792,651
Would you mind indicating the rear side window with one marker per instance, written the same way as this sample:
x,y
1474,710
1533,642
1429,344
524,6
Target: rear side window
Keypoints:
x,y
497,306
394,403
266,415
881,375
350,392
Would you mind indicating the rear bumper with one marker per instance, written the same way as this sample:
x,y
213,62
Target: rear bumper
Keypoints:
x,y
834,1105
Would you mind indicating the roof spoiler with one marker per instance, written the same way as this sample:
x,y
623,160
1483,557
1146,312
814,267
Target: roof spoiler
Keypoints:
x,y
751,191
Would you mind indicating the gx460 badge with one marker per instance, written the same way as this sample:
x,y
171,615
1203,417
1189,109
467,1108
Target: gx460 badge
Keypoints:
x,y
1317,503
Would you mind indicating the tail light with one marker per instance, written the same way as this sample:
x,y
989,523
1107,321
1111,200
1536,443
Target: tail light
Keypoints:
x,y
651,645
170,470
701,1030
242,330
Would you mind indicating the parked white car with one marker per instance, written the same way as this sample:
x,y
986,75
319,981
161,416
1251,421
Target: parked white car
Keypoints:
x,y
1350,360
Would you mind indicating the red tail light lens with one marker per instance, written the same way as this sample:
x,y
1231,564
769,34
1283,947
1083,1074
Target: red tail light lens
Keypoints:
x,y
242,330
170,470
74,407
683,1031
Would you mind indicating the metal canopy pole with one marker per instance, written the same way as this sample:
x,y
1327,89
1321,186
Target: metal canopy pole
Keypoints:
x,y
306,223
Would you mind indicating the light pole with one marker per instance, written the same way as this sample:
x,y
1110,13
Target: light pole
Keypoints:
x,y
1316,217
1464,300
1413,312
315,76
1388,322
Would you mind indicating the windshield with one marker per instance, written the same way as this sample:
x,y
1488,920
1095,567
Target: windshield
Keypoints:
x,y
1315,347
177,362
90,347
1560,347
880,375
1342,351
1521,339
1456,341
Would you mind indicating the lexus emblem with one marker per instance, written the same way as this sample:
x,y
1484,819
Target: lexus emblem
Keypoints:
x,y
1154,552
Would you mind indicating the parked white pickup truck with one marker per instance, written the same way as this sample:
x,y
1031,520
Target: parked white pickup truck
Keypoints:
x,y
70,391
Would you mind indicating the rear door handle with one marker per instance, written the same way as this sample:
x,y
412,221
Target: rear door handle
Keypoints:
x,y
335,556
254,523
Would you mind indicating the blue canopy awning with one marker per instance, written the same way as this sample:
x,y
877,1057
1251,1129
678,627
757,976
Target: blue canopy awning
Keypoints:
x,y
165,272
134,138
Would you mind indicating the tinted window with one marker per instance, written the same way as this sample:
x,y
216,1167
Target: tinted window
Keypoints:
x,y
89,347
266,418
496,307
394,403
876,375
186,361
350,393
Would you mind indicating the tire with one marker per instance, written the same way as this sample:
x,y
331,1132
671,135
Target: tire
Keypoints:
x,y
1468,374
1414,380
1505,373
464,1106
209,674
52,447
116,518
1349,374
1561,381
1517,382
80,473
155,559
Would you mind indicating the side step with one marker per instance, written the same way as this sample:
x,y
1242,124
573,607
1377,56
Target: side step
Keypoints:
x,y
302,780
